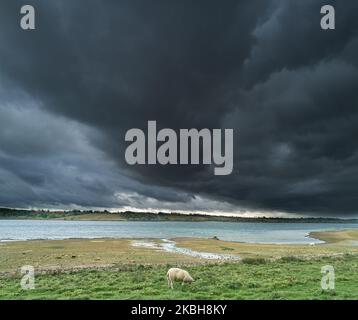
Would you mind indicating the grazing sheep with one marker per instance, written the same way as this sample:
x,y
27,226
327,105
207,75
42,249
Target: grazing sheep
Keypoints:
x,y
312,243
179,275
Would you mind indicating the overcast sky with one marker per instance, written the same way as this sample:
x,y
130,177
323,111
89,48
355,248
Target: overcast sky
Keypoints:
x,y
91,70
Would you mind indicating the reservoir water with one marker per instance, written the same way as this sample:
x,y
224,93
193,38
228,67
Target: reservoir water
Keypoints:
x,y
251,232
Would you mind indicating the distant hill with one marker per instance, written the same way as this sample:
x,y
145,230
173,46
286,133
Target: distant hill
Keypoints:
x,y
6,213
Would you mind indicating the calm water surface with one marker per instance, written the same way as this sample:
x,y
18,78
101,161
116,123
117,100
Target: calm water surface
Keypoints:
x,y
253,232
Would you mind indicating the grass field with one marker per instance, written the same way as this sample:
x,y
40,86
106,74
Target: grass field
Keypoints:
x,y
251,279
113,269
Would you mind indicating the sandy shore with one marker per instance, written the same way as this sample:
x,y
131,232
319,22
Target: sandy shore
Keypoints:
x,y
343,237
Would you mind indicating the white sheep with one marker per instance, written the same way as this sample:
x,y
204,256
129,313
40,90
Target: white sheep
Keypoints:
x,y
179,275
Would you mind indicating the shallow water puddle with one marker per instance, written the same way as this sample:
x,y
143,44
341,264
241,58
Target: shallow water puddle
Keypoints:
x,y
170,246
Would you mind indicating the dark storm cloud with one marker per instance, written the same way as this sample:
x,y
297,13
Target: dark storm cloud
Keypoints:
x,y
46,160
92,70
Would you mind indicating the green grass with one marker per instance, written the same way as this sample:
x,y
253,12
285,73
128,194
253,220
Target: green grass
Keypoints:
x,y
280,279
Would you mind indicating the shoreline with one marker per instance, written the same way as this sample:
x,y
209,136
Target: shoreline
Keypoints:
x,y
26,214
344,236
245,221
169,239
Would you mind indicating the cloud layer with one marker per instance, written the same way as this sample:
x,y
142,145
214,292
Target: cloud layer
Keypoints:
x,y
90,71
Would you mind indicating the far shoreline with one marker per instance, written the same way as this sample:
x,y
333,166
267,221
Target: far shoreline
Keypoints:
x,y
17,214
